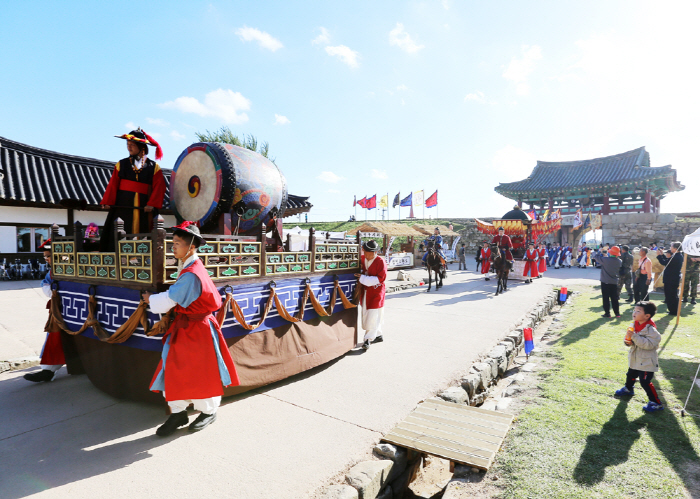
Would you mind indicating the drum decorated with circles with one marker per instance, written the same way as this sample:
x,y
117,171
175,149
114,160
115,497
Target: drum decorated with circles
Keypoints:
x,y
210,179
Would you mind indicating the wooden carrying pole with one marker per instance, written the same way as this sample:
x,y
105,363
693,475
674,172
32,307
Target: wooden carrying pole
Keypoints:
x,y
680,298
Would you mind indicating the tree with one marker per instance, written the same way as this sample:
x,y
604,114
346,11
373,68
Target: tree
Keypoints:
x,y
226,136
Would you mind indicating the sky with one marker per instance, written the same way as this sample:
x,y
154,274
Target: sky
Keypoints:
x,y
365,97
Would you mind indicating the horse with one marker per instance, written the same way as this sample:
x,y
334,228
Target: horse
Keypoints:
x,y
434,265
502,268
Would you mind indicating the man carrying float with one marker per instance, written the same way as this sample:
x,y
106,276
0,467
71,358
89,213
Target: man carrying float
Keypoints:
x,y
136,190
196,364
372,293
504,245
52,356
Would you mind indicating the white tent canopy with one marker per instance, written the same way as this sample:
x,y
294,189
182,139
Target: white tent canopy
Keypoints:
x,y
691,244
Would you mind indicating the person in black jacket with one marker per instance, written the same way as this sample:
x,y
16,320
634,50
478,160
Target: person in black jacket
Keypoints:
x,y
478,257
625,278
672,259
609,274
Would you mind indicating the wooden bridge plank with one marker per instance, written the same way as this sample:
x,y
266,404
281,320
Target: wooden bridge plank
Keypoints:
x,y
439,451
485,412
457,409
488,427
464,436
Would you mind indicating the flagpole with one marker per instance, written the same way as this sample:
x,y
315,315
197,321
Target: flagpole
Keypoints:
x,y
387,206
423,196
437,206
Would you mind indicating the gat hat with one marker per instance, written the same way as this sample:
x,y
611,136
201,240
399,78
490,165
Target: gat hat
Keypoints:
x,y
437,229
501,228
614,251
370,245
190,229
142,137
46,246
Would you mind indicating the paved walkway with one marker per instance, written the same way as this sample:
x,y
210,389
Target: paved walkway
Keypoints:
x,y
284,441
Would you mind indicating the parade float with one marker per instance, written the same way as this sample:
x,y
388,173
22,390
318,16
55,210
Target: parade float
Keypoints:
x,y
521,229
284,311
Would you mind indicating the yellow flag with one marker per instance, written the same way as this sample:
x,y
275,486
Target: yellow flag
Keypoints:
x,y
384,202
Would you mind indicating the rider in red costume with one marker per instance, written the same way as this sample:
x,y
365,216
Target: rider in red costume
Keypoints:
x,y
504,244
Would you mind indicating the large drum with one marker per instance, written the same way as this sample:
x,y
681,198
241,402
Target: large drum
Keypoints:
x,y
210,179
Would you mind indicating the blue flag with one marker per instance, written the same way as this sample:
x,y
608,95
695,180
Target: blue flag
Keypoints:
x,y
408,200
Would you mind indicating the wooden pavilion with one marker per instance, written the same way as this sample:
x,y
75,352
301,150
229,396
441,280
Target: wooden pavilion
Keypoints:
x,y
387,231
622,183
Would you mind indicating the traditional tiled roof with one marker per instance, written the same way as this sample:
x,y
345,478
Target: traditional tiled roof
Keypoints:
x,y
610,171
30,176
387,228
429,229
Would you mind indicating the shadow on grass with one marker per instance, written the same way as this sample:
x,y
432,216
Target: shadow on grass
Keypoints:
x,y
608,448
582,332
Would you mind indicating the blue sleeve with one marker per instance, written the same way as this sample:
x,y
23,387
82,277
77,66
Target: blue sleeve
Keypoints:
x,y
47,279
185,290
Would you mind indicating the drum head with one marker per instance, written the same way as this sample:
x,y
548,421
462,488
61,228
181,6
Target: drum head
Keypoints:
x,y
201,185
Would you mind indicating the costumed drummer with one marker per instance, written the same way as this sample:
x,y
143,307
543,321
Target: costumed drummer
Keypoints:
x,y
504,245
136,190
436,238
52,356
372,293
196,363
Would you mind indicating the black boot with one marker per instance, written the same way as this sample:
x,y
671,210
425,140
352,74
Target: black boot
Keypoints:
x,y
43,375
378,339
173,423
202,421
692,301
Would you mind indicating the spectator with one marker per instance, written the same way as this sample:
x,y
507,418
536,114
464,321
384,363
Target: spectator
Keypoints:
x,y
626,273
609,273
672,259
642,276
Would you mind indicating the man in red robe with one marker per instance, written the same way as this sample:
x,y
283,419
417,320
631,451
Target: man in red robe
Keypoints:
x,y
373,292
504,245
531,258
136,190
485,258
542,252
196,363
52,356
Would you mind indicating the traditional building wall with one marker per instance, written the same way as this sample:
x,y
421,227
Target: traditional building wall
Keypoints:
x,y
641,229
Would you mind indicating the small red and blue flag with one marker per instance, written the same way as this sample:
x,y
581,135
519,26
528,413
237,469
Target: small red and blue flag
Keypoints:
x,y
529,342
563,295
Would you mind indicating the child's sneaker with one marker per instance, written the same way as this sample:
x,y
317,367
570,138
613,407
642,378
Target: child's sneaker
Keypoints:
x,y
653,407
624,392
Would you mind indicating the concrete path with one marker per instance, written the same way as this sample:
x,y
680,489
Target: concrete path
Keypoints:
x,y
66,438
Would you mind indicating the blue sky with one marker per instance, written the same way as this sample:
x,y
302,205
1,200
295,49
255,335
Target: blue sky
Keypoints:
x,y
357,98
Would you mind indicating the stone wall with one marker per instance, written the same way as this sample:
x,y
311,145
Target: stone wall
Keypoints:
x,y
641,229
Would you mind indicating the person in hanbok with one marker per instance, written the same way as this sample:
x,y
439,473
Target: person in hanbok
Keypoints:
x,y
196,364
436,238
531,257
485,260
504,245
373,291
52,356
543,259
567,257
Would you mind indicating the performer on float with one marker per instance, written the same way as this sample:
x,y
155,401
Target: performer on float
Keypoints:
x,y
136,190
196,363
372,293
436,238
531,257
52,356
485,256
504,245
542,252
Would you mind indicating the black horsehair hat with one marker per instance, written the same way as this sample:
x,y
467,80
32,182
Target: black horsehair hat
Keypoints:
x,y
370,245
501,228
190,229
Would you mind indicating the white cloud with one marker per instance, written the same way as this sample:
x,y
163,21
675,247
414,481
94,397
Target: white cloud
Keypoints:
x,y
177,135
130,126
403,40
512,163
224,104
330,177
157,122
345,54
402,87
281,120
519,70
476,97
322,39
446,4
379,174
265,40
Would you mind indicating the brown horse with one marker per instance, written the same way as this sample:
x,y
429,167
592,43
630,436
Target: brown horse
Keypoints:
x,y
434,265
502,268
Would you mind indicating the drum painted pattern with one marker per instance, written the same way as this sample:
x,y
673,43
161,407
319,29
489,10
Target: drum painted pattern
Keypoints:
x,y
212,178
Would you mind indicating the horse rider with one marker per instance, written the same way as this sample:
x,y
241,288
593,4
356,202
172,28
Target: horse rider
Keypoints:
x,y
504,245
436,238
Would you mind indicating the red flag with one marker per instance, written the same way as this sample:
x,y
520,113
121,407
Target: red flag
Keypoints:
x,y
354,202
431,201
363,202
371,202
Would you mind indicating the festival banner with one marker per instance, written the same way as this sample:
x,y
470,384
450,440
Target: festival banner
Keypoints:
x,y
556,215
597,221
587,223
431,201
397,200
578,219
532,214
407,201
384,201
418,198
545,215
371,203
363,202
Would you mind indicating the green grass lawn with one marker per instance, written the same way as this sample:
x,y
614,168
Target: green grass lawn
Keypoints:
x,y
575,440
